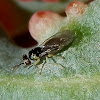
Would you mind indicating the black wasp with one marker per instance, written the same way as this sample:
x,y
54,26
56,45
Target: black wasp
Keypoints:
x,y
49,47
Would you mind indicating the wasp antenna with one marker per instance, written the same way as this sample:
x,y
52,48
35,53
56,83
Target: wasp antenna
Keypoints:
x,y
17,66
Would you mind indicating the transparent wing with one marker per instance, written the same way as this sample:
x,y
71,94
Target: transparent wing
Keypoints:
x,y
58,41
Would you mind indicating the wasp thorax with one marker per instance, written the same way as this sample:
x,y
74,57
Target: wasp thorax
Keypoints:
x,y
34,53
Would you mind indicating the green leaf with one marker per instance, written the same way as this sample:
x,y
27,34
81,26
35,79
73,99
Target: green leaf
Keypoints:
x,y
86,47
78,80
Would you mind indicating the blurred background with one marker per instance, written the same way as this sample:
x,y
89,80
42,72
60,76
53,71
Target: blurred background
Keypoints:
x,y
15,14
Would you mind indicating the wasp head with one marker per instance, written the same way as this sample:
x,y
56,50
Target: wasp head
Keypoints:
x,y
26,60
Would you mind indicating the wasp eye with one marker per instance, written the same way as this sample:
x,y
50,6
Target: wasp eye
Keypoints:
x,y
27,62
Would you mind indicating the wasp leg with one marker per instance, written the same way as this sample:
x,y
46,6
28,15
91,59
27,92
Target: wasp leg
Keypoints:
x,y
47,60
37,61
50,55
42,68
59,65
59,57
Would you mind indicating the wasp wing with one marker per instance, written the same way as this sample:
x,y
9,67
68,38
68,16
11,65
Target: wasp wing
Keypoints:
x,y
58,41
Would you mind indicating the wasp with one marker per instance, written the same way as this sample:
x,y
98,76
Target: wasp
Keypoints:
x,y
48,48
